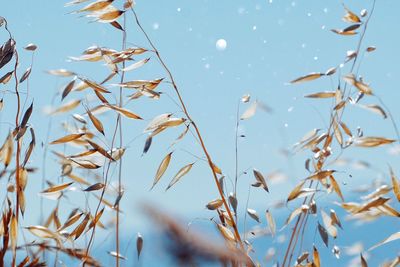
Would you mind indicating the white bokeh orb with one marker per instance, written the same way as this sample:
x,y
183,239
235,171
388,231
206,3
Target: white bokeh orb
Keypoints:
x,y
221,44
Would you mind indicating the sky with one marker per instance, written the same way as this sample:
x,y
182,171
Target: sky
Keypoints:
x,y
266,45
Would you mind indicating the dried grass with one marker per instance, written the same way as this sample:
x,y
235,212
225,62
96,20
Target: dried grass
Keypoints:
x,y
91,146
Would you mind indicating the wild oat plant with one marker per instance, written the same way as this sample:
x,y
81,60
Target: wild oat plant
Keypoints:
x,y
93,146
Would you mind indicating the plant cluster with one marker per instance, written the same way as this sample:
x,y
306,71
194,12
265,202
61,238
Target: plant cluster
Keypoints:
x,y
92,147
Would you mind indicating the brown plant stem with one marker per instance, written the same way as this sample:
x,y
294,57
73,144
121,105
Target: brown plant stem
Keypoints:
x,y
120,144
185,111
293,233
18,152
236,151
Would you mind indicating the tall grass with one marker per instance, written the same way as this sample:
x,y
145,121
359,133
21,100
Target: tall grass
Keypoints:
x,y
93,147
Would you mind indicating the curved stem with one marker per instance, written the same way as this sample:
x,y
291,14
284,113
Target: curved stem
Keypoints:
x,y
206,153
18,152
120,144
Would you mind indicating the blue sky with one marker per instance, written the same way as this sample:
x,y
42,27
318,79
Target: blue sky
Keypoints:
x,y
268,44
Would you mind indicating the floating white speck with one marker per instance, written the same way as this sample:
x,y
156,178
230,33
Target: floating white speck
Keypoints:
x,y
325,10
315,58
270,1
178,9
207,66
323,27
254,27
293,4
286,125
290,109
363,13
156,26
308,14
190,29
303,45
341,65
47,109
221,44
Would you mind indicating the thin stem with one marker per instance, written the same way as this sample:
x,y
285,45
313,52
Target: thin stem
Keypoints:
x,y
27,81
105,181
302,220
44,157
245,212
120,145
18,152
293,233
106,176
210,163
236,148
